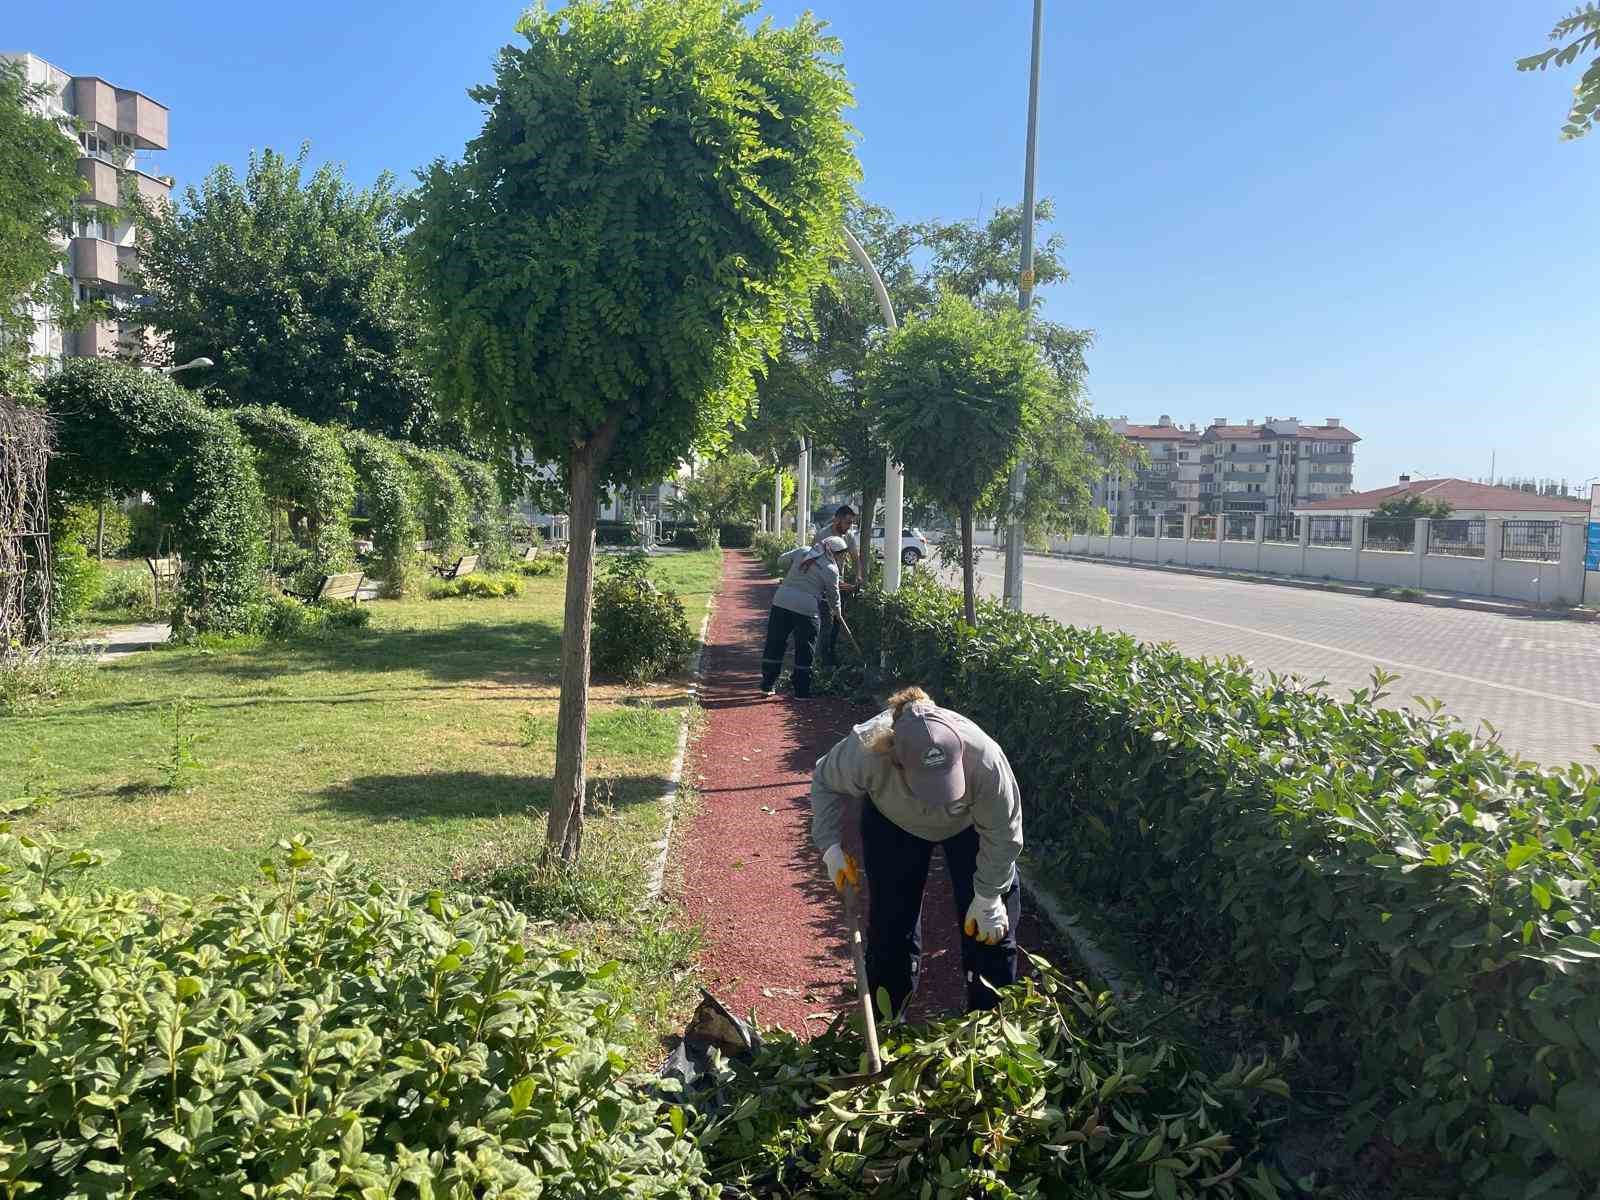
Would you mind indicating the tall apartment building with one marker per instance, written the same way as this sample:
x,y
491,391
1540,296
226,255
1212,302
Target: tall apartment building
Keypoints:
x,y
117,130
1274,467
1168,483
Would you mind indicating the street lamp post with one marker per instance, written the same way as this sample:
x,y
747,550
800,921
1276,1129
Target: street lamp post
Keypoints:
x,y
1019,476
894,479
188,366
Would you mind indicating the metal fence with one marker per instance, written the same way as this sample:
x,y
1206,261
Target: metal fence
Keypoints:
x,y
1460,538
1144,525
1204,528
1531,541
1283,529
1397,534
1239,527
1172,525
1330,531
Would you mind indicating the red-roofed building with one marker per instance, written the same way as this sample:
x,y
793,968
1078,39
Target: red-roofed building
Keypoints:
x,y
1169,483
1467,501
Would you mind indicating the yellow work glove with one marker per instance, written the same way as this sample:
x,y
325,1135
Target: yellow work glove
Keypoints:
x,y
986,920
841,867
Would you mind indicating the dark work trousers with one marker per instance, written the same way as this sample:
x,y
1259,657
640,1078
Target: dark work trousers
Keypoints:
x,y
897,871
781,625
828,638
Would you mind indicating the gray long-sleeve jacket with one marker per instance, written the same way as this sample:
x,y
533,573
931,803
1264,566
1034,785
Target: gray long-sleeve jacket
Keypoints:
x,y
993,802
803,587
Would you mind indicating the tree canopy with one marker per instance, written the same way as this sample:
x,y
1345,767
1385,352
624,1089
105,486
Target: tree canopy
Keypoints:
x,y
1413,506
957,393
1581,34
39,184
295,287
654,197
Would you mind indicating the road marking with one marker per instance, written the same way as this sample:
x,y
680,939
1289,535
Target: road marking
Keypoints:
x,y
1283,637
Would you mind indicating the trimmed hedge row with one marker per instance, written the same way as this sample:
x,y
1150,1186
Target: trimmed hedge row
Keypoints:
x,y
1417,904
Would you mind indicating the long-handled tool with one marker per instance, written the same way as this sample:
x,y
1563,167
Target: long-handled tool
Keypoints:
x,y
858,952
839,617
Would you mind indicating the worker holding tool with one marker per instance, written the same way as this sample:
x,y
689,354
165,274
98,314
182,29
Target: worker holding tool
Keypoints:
x,y
811,578
844,519
926,777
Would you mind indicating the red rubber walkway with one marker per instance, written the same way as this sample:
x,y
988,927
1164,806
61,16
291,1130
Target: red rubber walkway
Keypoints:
x,y
773,925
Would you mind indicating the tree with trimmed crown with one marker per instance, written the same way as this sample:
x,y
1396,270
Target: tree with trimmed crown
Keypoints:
x,y
656,192
958,393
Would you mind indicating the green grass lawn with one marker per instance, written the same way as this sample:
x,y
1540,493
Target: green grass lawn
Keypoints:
x,y
423,745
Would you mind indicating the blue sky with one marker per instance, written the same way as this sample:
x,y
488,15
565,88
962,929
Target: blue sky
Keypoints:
x,y
1357,210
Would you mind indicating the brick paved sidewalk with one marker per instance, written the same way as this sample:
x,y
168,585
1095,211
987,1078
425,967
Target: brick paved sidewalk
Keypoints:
x,y
773,926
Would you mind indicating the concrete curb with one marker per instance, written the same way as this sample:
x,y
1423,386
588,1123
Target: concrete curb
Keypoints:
x,y
1103,968
1427,599
669,798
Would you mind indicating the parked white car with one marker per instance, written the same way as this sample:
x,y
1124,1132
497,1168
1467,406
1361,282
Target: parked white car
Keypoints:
x,y
914,546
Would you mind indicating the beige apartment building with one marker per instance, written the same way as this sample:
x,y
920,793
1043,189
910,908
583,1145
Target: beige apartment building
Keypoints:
x,y
117,131
1271,467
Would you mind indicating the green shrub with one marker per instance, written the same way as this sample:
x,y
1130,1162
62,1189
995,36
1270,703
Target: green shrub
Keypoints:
x,y
77,581
144,530
1049,1095
736,537
389,493
34,677
319,1036
475,587
344,614
287,619
640,632
769,547
1418,905
128,590
548,563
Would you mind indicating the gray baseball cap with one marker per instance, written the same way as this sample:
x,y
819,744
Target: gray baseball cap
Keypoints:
x,y
929,750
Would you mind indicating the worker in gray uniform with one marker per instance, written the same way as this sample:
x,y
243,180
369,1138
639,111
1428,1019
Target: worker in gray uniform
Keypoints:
x,y
811,578
926,777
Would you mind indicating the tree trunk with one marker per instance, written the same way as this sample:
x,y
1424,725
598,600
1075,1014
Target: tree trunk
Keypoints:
x,y
100,532
869,502
968,593
564,834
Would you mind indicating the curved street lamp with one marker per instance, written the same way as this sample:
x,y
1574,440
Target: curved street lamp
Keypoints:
x,y
894,479
190,365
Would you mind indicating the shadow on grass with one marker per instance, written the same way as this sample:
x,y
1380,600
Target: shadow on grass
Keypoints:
x,y
431,795
512,652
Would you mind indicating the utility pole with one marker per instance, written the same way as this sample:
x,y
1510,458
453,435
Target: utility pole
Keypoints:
x,y
1019,475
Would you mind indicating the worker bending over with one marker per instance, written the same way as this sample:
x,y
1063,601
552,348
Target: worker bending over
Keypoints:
x,y
810,580
926,777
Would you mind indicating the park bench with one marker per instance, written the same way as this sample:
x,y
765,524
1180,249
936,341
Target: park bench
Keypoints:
x,y
465,565
427,547
164,571
344,586
530,552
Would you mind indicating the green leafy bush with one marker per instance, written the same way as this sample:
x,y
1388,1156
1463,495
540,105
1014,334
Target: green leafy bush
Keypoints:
x,y
488,519
441,501
548,563
119,430
1416,904
476,587
320,1036
344,614
77,581
286,618
129,590
389,495
1049,1095
310,484
30,678
640,632
736,537
769,547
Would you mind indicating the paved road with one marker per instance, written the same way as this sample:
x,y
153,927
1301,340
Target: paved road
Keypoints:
x,y
1535,680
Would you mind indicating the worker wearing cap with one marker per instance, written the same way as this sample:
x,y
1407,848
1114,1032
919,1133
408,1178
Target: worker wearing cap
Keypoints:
x,y
926,777
811,579
844,519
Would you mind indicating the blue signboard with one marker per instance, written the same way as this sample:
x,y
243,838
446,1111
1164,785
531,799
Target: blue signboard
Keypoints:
x,y
1591,553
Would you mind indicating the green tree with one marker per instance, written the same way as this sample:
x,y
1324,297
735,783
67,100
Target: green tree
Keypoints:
x,y
39,184
296,288
721,492
654,196
1412,506
1583,30
958,394
1068,448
